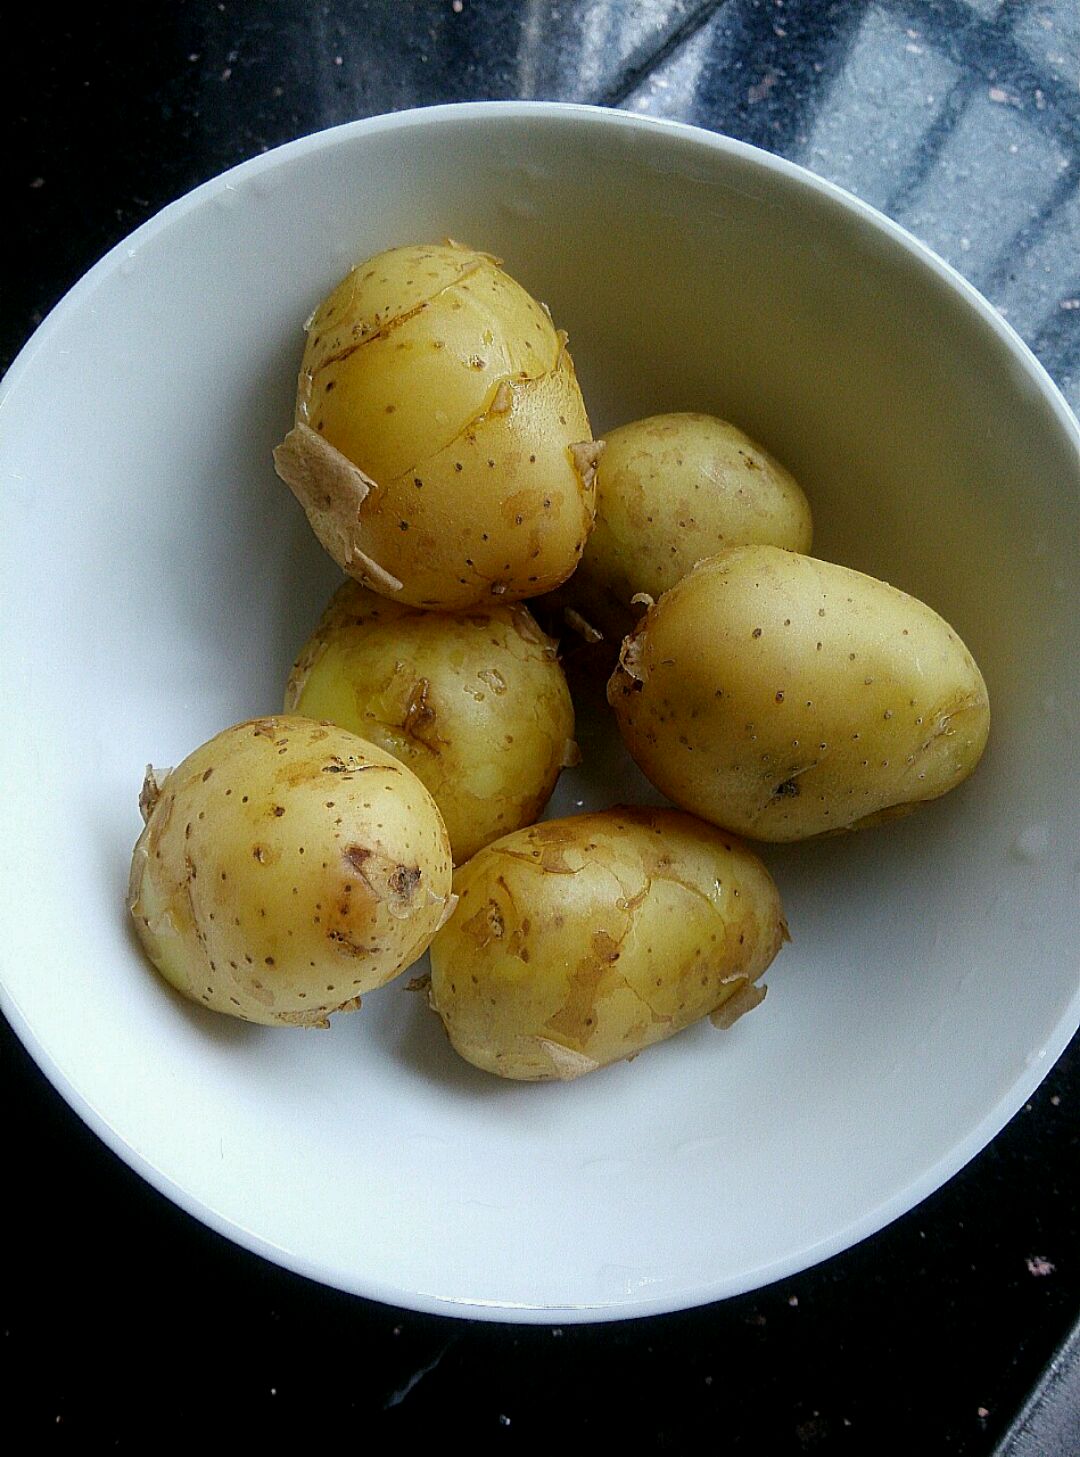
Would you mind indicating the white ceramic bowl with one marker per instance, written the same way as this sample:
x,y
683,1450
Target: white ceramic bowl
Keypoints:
x,y
157,578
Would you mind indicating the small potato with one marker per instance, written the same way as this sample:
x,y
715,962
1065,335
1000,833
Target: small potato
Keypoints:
x,y
476,704
584,940
784,697
441,447
286,867
671,490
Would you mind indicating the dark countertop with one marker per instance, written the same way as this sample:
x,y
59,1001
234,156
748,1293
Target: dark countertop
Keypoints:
x,y
122,1318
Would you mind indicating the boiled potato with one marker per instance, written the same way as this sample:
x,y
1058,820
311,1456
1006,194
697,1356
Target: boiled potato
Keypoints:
x,y
475,704
584,940
285,868
784,697
671,490
441,447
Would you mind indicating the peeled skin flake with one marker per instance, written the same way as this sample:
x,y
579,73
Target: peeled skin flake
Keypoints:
x,y
441,447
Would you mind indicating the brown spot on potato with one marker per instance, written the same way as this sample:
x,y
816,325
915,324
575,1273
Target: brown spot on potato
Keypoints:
x,y
404,880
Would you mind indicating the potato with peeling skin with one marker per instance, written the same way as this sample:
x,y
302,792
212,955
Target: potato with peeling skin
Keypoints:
x,y
441,447
671,490
285,868
581,941
475,704
784,697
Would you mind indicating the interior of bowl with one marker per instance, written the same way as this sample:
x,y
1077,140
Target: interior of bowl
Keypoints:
x,y
158,578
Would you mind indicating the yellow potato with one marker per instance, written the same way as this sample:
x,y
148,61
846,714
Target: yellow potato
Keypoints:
x,y
441,446
475,704
671,490
784,697
584,940
285,868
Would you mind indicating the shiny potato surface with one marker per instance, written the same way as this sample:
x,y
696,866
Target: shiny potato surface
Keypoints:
x,y
441,447
784,697
584,940
671,490
474,703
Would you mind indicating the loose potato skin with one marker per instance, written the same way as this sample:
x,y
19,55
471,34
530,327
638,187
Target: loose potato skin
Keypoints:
x,y
441,446
784,697
671,490
582,941
285,868
475,704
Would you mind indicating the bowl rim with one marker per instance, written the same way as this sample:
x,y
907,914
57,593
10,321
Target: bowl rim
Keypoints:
x,y
1038,1064
482,111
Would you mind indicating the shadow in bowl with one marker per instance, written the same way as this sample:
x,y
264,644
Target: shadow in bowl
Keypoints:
x,y
295,576
217,1027
423,1047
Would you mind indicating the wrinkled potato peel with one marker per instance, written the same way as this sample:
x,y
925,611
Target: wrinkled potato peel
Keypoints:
x,y
582,941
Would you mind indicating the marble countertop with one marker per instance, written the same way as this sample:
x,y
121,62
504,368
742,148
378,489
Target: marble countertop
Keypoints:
x,y
121,1317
